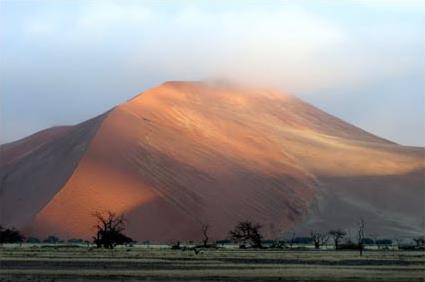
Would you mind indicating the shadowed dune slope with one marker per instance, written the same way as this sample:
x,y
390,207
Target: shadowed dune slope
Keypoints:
x,y
185,154
34,169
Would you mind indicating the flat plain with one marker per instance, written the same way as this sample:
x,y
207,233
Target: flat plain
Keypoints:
x,y
78,263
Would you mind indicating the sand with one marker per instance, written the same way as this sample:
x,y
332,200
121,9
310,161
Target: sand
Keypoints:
x,y
185,154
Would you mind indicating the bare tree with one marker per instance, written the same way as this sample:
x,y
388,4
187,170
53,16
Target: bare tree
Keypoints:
x,y
361,235
319,239
247,233
337,235
205,228
291,243
399,242
109,228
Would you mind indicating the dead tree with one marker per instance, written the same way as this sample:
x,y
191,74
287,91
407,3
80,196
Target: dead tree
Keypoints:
x,y
319,239
337,235
291,243
205,228
110,229
247,234
361,235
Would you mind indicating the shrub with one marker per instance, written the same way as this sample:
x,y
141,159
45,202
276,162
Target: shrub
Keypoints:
x,y
33,240
10,236
76,241
52,239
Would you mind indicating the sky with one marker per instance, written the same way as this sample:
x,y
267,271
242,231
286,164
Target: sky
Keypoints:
x,y
65,61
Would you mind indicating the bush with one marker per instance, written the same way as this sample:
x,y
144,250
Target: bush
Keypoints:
x,y
76,241
274,244
420,241
33,240
348,246
407,247
10,236
303,240
52,239
367,241
383,243
223,242
176,246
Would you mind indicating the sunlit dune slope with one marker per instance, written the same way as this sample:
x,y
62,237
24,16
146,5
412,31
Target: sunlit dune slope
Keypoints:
x,y
185,154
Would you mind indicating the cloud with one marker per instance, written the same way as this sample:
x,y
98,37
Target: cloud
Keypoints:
x,y
289,46
265,47
98,19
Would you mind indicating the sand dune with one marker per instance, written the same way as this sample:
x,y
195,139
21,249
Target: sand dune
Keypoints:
x,y
188,153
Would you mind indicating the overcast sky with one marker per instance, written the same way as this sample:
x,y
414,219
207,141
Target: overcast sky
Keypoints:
x,y
62,62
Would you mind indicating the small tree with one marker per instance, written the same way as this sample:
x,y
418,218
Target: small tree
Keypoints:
x,y
361,235
319,239
337,235
109,230
205,228
247,233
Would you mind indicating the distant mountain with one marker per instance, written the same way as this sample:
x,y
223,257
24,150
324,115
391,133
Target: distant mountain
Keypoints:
x,y
185,154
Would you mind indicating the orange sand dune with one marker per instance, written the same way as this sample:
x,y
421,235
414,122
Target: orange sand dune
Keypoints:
x,y
188,153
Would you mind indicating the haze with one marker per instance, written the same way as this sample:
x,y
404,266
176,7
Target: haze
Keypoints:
x,y
63,62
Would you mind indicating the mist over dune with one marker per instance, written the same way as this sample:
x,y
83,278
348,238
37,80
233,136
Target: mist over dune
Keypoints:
x,y
183,154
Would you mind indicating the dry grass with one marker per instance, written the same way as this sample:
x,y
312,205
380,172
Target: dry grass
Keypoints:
x,y
67,264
